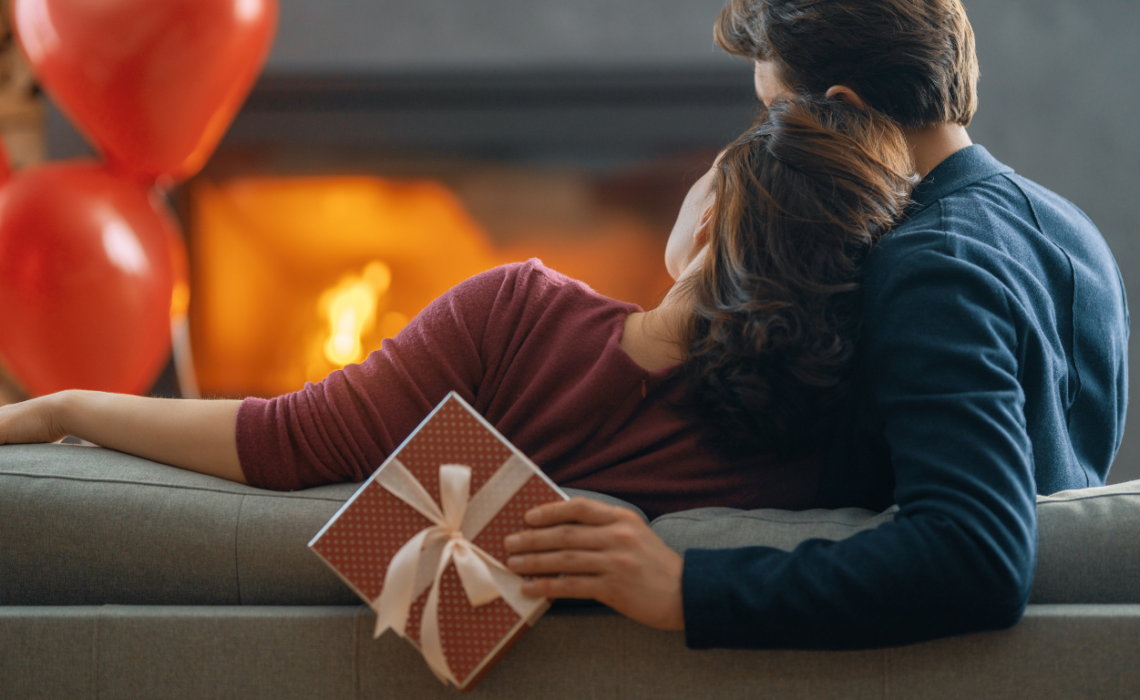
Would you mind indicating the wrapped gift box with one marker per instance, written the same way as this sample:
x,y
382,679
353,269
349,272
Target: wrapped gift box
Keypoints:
x,y
422,542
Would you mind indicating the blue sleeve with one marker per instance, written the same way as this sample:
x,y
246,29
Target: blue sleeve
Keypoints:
x,y
941,353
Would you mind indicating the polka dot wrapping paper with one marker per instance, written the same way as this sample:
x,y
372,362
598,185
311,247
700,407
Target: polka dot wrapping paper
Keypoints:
x,y
361,539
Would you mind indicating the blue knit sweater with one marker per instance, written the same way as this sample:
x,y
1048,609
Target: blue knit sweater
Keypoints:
x,y
993,368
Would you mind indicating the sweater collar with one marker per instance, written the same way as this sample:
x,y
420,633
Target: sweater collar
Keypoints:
x,y
966,167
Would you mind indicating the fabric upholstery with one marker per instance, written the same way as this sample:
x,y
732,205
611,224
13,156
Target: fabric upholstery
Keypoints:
x,y
88,526
179,653
721,528
605,498
1089,546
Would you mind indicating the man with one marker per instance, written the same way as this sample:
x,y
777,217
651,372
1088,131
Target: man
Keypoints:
x,y
993,368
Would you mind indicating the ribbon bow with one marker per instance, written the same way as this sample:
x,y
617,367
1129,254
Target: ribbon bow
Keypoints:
x,y
423,559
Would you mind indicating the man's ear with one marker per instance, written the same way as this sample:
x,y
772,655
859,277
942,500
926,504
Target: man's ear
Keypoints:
x,y
845,94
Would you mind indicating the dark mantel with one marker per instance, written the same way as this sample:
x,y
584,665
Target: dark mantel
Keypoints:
x,y
570,116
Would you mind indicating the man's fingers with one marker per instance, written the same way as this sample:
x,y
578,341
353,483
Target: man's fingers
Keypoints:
x,y
576,510
589,587
564,562
557,537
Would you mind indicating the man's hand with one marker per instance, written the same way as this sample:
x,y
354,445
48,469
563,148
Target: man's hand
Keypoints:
x,y
585,549
30,421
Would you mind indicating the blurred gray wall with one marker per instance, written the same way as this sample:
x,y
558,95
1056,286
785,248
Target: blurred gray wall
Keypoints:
x,y
1060,97
1060,90
320,36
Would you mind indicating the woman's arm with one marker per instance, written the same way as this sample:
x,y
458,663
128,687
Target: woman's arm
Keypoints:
x,y
195,435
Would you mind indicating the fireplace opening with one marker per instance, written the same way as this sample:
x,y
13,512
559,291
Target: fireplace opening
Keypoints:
x,y
295,276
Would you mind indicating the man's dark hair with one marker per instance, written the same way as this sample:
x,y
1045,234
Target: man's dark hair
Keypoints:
x,y
913,60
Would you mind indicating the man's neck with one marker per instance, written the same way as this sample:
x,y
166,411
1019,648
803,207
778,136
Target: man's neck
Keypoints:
x,y
934,144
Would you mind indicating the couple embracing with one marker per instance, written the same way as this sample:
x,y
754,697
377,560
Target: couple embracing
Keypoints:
x,y
869,310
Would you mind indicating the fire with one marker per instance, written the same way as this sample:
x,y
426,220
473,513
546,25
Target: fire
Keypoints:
x,y
350,308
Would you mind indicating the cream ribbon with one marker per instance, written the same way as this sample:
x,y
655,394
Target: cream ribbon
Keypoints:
x,y
420,563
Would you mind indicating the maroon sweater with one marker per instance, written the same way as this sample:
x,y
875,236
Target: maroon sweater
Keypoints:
x,y
539,355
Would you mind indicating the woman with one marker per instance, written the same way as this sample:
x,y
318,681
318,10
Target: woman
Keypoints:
x,y
718,397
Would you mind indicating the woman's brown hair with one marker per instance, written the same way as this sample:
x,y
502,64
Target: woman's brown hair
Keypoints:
x,y
800,199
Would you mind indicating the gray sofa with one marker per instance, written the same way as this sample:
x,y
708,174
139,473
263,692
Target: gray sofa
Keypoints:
x,y
121,578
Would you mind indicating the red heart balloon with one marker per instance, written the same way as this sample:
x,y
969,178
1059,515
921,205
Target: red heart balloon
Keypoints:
x,y
154,83
85,280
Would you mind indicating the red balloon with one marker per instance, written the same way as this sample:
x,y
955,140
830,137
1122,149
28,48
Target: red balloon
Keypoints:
x,y
85,280
154,83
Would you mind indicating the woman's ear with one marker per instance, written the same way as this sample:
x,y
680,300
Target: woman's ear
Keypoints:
x,y
845,94
701,236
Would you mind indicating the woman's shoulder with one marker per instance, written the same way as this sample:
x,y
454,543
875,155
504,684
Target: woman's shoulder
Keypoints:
x,y
533,283
534,274
516,295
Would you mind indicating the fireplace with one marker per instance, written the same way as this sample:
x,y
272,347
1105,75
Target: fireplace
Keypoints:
x,y
337,208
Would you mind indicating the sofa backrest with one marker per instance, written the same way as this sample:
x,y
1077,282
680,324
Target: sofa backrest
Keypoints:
x,y
88,526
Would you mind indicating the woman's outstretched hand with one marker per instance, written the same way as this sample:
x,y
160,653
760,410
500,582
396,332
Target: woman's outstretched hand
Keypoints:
x,y
30,421
586,549
195,435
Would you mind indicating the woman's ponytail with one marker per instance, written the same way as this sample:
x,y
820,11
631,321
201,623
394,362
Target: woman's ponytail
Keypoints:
x,y
800,199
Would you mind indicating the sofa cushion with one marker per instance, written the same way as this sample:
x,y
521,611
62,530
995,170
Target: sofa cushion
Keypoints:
x,y
1089,545
724,528
607,499
88,526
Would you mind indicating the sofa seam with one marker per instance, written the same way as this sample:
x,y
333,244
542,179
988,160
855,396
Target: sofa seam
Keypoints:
x,y
746,516
96,673
886,674
167,486
356,693
1090,497
237,544
761,519
623,648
